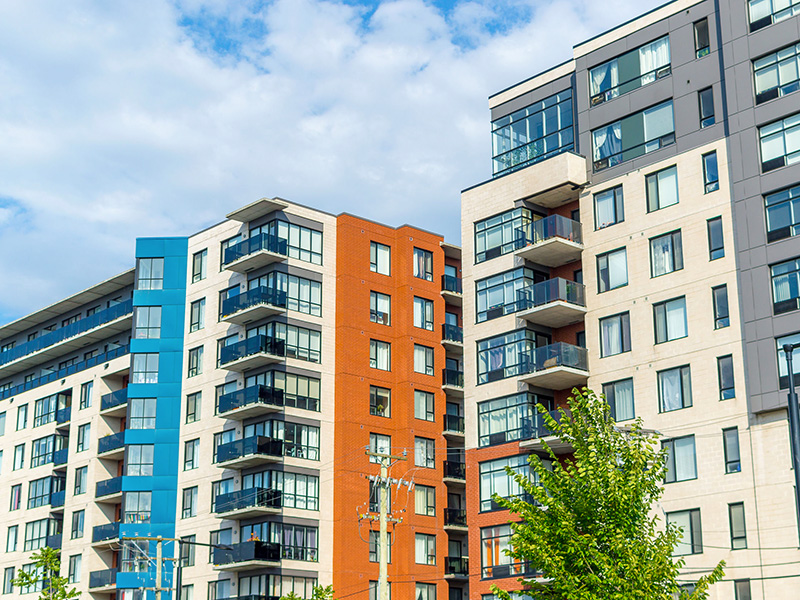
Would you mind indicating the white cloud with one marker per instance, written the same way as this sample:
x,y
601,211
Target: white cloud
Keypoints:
x,y
118,122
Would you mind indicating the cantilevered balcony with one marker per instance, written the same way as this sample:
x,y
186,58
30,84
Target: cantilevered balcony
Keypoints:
x,y
114,404
109,490
249,452
453,338
455,519
558,366
253,305
255,252
552,241
252,401
453,427
105,536
111,446
249,503
456,567
451,289
552,303
453,382
103,580
247,556
535,431
256,351
455,472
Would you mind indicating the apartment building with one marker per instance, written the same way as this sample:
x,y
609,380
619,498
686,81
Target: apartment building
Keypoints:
x,y
225,393
639,236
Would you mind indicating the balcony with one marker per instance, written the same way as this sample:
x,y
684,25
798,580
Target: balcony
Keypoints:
x,y
253,401
249,452
253,305
60,457
453,427
256,351
453,382
255,252
111,446
247,556
455,519
451,290
63,416
456,567
103,580
250,503
455,472
558,366
53,541
57,499
73,337
535,431
105,536
109,490
114,404
553,303
552,241
453,338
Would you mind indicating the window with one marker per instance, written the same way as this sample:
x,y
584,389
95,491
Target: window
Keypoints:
x,y
81,477
783,214
780,143
508,418
19,457
199,260
302,294
702,45
423,405
424,453
738,529
619,395
193,407
705,100
8,578
767,12
299,391
147,322
77,524
629,71
150,274
670,320
86,395
495,541
720,299
142,413
191,455
219,590
424,549
508,355
716,245
220,536
2,423
710,172
632,136
301,242
374,591
425,500
39,492
730,444
499,234
22,417
741,588
612,270
140,459
189,506
42,451
504,293
195,362
145,368
662,188
494,479
84,432
615,334
727,389
225,256
36,534
300,343
380,308
423,359
776,74
380,355
197,315
16,497
137,507
786,286
225,437
608,208
380,444
424,591
423,264
423,313
375,547
187,550
674,389
220,488
380,401
379,258
533,133
666,254
692,536
44,411
74,569
681,459
11,538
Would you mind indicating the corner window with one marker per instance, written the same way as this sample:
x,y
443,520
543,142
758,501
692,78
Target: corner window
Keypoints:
x,y
670,320
149,273
379,258
662,188
199,260
504,293
702,45
776,74
619,395
615,335
780,143
147,322
716,243
508,355
720,299
691,540
666,254
674,389
727,389
380,308
629,71
785,286
705,101
494,479
608,208
423,313
681,459
633,136
710,172
380,355
423,264
612,270
783,214
730,444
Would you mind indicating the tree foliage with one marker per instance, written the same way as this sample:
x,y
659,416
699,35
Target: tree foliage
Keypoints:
x,y
47,566
318,593
592,530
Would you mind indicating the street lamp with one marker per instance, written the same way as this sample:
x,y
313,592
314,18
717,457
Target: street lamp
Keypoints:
x,y
794,428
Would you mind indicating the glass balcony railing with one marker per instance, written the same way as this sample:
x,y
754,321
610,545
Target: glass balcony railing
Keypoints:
x,y
108,487
456,565
451,284
270,243
455,469
114,399
57,499
454,423
109,531
250,396
252,446
104,578
554,226
257,344
549,291
60,457
252,597
53,541
59,335
455,516
111,442
250,498
535,427
452,333
453,377
259,295
247,551
63,415
559,354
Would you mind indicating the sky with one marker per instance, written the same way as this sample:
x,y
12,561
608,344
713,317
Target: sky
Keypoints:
x,y
140,118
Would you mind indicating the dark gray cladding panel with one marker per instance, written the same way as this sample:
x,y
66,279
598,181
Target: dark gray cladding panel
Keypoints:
x,y
537,95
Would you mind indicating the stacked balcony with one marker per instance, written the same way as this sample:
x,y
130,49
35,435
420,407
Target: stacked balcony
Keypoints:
x,y
455,519
60,458
453,338
552,241
249,503
254,352
105,536
558,366
111,446
453,427
114,404
451,290
249,452
255,252
456,567
109,491
453,382
250,402
455,472
247,556
53,541
536,431
553,303
105,580
253,305
57,500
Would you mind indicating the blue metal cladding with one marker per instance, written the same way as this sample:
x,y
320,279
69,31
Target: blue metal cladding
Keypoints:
x,y
165,437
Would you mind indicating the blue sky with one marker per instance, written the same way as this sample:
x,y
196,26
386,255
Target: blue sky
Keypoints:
x,y
157,117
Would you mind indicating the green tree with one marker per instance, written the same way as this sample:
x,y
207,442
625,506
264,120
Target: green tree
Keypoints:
x,y
592,529
47,565
318,593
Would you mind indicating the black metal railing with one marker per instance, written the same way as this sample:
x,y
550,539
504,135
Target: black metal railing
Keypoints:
x,y
253,345
559,354
631,84
455,516
516,569
453,377
252,446
59,335
259,295
249,498
454,423
60,457
247,551
111,442
57,499
249,396
264,241
114,399
108,487
451,283
53,541
549,291
109,531
455,469
554,226
104,578
452,333
456,565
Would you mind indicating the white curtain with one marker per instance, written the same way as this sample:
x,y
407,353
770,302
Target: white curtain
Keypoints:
x,y
668,187
607,141
623,401
676,318
670,389
652,57
682,520
611,336
605,77
685,465
661,249
617,269
605,209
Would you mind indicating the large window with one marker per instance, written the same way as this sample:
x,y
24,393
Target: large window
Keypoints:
x,y
424,549
423,405
633,136
666,254
36,533
619,395
140,459
424,453
495,541
674,389
727,389
380,355
670,320
786,286
423,359
533,133
508,418
501,294
780,143
495,480
44,410
423,264
380,308
42,451
608,208
508,355
302,294
783,214
612,270
297,490
150,274
299,440
498,235
147,322
142,413
39,492
423,313
629,71
681,459
302,243
144,368
662,188
299,391
138,506
300,343
767,12
615,334
730,445
776,74
691,539
379,258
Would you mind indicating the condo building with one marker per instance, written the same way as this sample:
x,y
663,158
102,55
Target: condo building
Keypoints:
x,y
225,393
640,236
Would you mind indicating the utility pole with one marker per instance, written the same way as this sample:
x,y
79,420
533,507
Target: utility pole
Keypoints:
x,y
794,429
160,564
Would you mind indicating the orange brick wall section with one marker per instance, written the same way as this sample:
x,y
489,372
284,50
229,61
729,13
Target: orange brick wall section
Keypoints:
x,y
352,569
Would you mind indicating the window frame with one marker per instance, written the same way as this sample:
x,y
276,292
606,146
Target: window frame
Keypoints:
x,y
704,97
710,172
376,395
615,194
720,320
685,375
375,250
738,542
716,238
670,445
674,253
604,257
376,349
653,190
423,264
695,542
624,331
661,320
725,363
199,265
733,461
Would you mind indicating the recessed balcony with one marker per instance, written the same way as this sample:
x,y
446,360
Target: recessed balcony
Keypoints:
x,y
456,567
57,500
256,351
553,303
558,366
252,401
455,472
453,382
255,252
111,446
455,519
253,305
453,427
249,452
109,491
60,457
552,241
536,431
248,504
451,290
53,541
114,404
247,556
453,338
